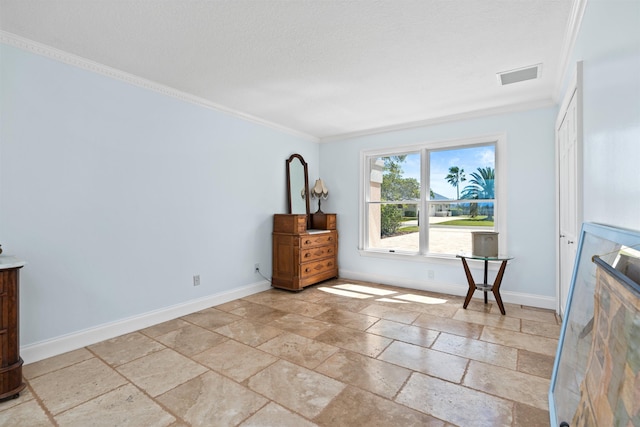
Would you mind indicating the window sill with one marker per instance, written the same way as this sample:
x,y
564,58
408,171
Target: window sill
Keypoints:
x,y
427,259
409,256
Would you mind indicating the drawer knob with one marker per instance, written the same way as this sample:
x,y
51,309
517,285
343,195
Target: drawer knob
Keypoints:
x,y
307,242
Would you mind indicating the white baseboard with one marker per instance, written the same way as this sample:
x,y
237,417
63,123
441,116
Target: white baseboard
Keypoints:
x,y
510,297
55,346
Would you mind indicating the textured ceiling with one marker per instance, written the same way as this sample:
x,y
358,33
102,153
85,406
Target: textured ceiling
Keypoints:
x,y
322,68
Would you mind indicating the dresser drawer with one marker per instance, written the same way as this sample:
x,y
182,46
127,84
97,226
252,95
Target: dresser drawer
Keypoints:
x,y
319,252
316,267
313,240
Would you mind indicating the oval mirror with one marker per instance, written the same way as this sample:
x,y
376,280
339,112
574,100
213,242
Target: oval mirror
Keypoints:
x,y
297,185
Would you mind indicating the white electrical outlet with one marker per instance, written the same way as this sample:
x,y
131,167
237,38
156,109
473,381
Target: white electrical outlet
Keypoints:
x,y
431,274
196,280
256,268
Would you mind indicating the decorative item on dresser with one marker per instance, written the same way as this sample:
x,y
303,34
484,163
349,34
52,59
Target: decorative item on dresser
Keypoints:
x,y
320,192
301,256
10,361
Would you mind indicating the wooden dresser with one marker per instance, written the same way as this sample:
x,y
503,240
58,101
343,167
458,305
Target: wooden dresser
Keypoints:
x,y
10,361
301,256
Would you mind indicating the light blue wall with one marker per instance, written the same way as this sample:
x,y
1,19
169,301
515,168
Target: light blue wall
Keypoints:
x,y
116,195
530,202
609,46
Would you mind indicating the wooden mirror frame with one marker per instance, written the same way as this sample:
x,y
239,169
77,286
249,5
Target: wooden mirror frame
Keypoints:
x,y
305,184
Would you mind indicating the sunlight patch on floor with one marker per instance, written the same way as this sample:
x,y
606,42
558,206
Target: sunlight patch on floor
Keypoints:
x,y
344,293
365,289
421,299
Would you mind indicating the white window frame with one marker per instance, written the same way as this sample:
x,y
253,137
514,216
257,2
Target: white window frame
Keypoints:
x,y
500,203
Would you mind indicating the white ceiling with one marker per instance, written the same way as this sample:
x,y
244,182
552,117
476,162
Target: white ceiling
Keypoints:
x,y
321,68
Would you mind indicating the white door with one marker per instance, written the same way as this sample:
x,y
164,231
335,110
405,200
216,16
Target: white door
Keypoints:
x,y
568,141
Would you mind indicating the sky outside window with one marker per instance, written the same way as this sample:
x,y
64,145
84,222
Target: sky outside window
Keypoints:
x,y
469,159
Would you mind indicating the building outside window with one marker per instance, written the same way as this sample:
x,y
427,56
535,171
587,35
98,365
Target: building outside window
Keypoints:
x,y
427,199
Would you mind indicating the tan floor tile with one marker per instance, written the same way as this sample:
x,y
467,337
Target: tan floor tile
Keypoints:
x,y
125,348
296,388
376,376
495,320
477,350
33,370
538,315
211,399
164,327
479,305
535,364
157,373
348,319
302,308
26,414
191,339
297,349
527,416
431,362
512,385
211,318
402,332
431,304
543,329
478,354
519,340
75,384
361,342
452,326
301,325
275,415
354,407
249,332
270,297
231,305
310,294
126,405
454,403
390,313
258,312
235,360
347,304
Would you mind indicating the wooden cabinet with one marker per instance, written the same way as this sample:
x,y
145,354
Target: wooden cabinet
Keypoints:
x,y
303,257
10,361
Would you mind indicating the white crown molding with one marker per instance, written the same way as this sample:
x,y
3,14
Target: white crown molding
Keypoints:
x,y
573,28
532,105
86,64
52,347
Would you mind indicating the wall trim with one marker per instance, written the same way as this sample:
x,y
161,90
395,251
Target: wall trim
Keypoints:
x,y
86,64
531,300
570,37
62,344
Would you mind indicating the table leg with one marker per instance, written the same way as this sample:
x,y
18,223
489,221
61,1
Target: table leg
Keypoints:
x,y
496,286
486,282
472,284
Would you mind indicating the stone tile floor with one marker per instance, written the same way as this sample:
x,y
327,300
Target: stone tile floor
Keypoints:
x,y
340,353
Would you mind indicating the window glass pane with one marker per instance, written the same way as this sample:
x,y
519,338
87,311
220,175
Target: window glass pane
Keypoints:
x,y
395,178
458,198
394,227
451,224
462,173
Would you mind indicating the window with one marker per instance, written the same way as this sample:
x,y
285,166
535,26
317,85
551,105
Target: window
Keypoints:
x,y
428,199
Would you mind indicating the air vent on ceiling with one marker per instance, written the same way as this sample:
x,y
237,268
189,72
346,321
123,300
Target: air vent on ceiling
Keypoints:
x,y
521,74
